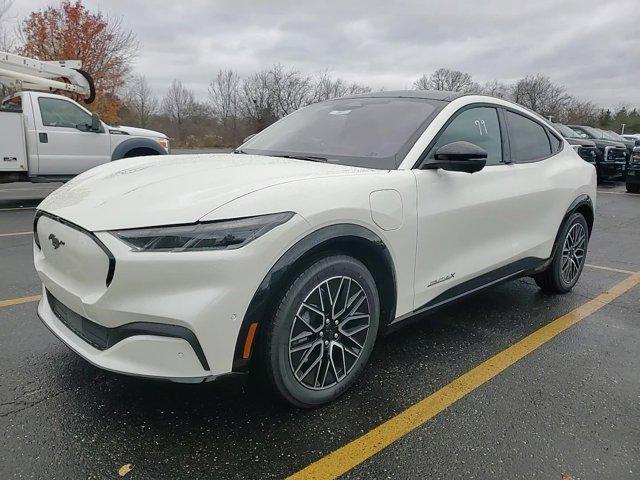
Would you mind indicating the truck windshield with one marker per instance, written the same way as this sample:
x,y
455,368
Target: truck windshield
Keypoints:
x,y
364,132
566,131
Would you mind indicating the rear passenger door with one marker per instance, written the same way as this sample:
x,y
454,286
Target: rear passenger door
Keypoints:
x,y
533,208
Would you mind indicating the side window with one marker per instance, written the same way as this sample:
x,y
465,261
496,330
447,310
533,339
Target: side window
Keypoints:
x,y
478,125
61,113
12,104
528,139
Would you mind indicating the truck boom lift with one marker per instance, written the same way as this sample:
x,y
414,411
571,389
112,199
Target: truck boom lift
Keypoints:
x,y
47,76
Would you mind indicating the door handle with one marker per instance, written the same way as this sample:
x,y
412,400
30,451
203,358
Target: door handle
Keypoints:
x,y
44,138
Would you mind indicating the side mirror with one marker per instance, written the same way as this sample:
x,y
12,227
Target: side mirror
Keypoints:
x,y
248,138
458,157
637,143
96,125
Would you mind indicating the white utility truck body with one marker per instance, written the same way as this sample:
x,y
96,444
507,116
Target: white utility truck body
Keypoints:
x,y
46,137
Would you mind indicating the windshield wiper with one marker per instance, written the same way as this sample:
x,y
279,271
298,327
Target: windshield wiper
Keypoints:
x,y
311,158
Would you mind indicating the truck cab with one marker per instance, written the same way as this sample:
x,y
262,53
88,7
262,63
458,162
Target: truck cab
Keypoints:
x,y
47,137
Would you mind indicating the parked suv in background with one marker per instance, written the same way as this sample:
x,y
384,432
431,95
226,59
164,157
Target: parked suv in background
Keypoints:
x,y
287,258
629,144
633,173
611,155
586,148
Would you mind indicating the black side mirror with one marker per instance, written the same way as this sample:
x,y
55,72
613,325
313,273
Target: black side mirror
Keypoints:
x,y
458,157
96,125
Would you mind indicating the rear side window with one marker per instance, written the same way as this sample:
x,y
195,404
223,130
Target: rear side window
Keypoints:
x,y
528,139
478,125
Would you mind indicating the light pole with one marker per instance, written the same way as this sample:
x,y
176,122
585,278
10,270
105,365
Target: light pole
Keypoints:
x,y
622,132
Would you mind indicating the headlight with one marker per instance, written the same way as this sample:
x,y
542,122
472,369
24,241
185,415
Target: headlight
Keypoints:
x,y
220,235
165,143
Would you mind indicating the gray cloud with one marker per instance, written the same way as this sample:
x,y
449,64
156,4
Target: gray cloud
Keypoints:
x,y
590,46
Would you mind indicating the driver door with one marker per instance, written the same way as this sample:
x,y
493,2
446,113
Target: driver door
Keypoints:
x,y
66,144
463,219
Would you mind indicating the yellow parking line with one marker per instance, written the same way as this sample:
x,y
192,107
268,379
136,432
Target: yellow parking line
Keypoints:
x,y
14,233
18,301
609,269
354,453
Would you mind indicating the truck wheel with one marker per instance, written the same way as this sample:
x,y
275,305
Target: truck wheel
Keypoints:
x,y
633,187
140,152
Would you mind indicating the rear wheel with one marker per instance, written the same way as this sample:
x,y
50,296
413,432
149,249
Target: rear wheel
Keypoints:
x,y
568,261
633,187
322,334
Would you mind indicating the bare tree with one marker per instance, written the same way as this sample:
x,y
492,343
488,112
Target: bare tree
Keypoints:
x,y
179,104
581,112
326,87
6,38
445,79
224,94
256,99
290,90
495,88
141,101
541,95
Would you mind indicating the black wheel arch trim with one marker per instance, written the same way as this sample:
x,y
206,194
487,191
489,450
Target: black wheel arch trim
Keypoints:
x,y
582,200
132,143
284,266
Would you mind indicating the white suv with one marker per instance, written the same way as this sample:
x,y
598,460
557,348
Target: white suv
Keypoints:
x,y
290,256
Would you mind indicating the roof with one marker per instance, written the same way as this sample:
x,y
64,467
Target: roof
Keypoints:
x,y
442,95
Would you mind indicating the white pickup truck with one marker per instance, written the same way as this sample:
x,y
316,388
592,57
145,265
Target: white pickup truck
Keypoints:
x,y
51,138
45,137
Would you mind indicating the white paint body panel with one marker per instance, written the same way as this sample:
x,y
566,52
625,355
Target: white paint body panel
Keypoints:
x,y
432,222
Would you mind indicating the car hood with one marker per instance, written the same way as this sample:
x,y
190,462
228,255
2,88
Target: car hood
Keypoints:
x,y
168,189
139,132
581,141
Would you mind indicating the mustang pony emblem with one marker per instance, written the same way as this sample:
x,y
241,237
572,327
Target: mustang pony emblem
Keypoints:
x,y
55,242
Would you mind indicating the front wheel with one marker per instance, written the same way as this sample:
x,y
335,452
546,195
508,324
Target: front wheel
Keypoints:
x,y
568,261
322,334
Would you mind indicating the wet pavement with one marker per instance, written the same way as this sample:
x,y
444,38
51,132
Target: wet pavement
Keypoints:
x,y
571,407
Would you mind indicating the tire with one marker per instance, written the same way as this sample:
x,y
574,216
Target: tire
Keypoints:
x,y
300,321
571,253
633,187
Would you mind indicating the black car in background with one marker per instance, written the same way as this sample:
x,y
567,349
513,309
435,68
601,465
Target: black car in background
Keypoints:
x,y
633,172
630,144
611,156
585,148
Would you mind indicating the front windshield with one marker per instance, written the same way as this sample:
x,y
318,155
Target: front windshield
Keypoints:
x,y
363,132
589,132
566,131
614,136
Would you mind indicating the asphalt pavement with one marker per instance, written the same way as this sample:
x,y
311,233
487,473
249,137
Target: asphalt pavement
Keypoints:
x,y
570,406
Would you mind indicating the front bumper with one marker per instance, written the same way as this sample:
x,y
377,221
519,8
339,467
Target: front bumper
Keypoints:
x,y
633,174
611,170
204,295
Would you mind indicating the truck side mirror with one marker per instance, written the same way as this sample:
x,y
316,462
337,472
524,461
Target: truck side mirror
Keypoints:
x,y
96,125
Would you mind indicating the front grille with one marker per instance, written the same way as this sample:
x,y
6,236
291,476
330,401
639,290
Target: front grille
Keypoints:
x,y
92,333
616,154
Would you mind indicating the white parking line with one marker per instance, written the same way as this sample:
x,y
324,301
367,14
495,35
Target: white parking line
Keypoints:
x,y
609,269
16,208
14,234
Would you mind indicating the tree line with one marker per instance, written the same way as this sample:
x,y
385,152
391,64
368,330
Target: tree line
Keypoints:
x,y
237,106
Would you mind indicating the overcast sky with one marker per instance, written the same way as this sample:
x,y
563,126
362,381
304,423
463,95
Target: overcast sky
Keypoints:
x,y
590,46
